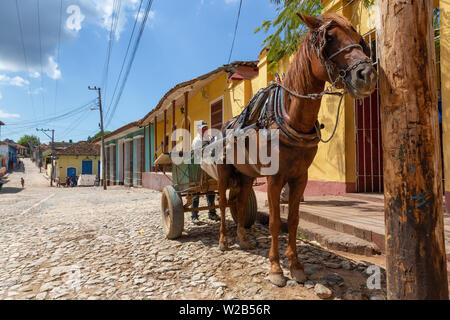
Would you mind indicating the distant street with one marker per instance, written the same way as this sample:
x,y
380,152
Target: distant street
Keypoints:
x,y
85,243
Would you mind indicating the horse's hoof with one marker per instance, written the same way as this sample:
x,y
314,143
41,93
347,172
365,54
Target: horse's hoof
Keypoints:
x,y
223,246
245,245
277,279
298,275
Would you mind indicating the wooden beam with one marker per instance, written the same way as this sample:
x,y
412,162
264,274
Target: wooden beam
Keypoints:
x,y
155,138
415,248
165,132
186,144
186,101
173,123
150,147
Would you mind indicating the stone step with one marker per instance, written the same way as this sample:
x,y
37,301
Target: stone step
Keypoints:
x,y
328,238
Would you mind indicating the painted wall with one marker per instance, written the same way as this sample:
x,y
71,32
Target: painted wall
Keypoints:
x,y
116,142
65,162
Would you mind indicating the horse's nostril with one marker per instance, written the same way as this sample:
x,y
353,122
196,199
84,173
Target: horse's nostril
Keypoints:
x,y
361,74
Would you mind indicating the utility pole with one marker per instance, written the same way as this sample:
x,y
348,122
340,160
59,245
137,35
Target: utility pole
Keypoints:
x,y
52,174
415,248
102,133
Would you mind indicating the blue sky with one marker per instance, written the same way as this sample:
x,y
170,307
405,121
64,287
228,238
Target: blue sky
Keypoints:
x,y
182,40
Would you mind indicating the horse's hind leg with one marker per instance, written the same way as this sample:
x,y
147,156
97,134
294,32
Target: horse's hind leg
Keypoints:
x,y
244,192
274,186
224,176
296,189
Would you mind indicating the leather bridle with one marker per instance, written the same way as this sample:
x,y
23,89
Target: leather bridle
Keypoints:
x,y
318,42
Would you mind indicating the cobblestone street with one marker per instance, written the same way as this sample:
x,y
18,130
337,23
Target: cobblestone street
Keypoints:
x,y
86,243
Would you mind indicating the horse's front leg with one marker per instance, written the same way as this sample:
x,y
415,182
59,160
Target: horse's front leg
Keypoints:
x,y
274,186
296,189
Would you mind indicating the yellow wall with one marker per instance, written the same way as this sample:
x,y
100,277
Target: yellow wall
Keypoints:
x,y
65,162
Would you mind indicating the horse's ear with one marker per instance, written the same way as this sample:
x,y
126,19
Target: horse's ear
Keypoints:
x,y
310,21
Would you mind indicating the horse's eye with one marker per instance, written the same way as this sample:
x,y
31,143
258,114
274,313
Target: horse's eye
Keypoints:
x,y
329,38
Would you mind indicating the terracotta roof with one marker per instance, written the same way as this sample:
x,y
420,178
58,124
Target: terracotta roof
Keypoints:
x,y
81,148
12,144
229,68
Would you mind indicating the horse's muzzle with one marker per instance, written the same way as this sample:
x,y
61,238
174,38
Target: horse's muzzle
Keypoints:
x,y
363,81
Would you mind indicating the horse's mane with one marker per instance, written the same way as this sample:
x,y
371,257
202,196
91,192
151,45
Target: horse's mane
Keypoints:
x,y
300,73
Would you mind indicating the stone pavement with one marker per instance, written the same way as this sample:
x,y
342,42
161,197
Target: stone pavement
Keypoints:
x,y
86,243
352,223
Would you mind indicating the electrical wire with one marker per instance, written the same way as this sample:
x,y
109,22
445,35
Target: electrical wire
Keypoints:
x,y
114,22
40,55
58,52
68,114
235,31
130,62
125,57
24,54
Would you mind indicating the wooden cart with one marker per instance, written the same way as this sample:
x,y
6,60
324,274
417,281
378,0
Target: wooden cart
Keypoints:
x,y
189,180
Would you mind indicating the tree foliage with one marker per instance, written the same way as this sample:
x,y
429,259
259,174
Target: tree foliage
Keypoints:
x,y
26,140
89,139
286,31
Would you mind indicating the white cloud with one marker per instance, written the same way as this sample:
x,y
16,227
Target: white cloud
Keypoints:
x,y
151,16
16,81
6,115
1,96
76,14
35,74
53,69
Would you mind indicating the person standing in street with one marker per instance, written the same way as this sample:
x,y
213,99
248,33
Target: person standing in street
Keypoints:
x,y
199,142
22,182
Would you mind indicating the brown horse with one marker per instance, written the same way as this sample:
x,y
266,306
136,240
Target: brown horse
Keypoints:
x,y
331,52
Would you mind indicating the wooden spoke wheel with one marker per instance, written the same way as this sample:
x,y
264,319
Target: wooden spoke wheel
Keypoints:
x,y
251,207
172,213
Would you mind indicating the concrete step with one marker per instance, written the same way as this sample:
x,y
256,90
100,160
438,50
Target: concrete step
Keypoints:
x,y
331,239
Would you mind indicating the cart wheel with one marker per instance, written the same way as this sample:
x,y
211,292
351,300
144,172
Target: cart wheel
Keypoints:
x,y
172,213
251,208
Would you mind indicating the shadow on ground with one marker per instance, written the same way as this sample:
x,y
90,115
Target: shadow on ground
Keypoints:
x,y
11,190
346,278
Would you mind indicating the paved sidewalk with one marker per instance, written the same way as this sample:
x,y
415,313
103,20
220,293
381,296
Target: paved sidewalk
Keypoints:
x,y
358,215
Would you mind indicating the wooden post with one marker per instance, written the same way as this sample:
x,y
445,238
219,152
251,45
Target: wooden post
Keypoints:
x,y
173,123
415,248
165,131
155,131
186,100
150,147
186,140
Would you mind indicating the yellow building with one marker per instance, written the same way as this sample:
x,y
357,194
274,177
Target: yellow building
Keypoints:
x,y
78,158
351,162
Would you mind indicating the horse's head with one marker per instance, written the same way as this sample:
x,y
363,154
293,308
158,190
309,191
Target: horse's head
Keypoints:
x,y
341,55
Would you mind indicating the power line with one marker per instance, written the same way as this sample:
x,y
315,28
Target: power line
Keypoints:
x,y
58,51
24,54
125,57
68,114
235,30
130,62
76,123
114,22
40,55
